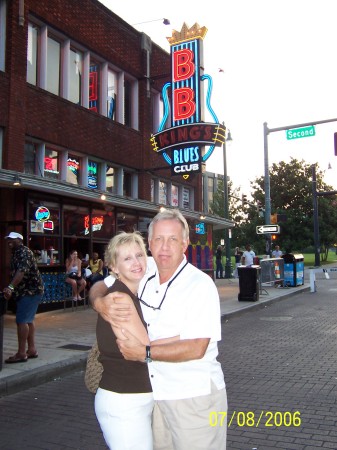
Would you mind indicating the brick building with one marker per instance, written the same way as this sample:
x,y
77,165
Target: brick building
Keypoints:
x,y
80,94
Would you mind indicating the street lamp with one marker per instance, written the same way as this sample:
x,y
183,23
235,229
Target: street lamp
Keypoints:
x,y
165,21
228,265
315,212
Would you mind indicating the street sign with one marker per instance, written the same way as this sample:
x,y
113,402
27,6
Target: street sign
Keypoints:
x,y
268,229
297,133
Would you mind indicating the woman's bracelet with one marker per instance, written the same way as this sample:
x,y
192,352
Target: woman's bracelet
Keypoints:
x,y
11,287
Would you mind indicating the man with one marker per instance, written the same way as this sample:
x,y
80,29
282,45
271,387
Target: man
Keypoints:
x,y
218,260
248,256
177,299
277,253
27,287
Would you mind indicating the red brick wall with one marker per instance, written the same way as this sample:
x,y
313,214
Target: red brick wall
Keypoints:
x,y
27,110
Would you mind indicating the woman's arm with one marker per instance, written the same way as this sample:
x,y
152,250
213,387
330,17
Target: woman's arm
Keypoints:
x,y
100,265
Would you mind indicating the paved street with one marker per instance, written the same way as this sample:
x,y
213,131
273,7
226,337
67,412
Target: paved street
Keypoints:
x,y
280,367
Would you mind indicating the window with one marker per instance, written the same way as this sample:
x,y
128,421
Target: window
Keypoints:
x,y
51,164
32,52
75,76
186,198
110,179
127,103
92,175
76,221
73,169
103,224
210,191
152,190
162,193
174,196
30,158
127,184
112,94
93,87
3,17
1,145
53,66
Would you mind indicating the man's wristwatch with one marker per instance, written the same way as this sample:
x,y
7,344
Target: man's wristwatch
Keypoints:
x,y
148,358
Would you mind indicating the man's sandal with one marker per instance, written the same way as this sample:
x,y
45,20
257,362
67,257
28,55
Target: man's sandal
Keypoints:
x,y
32,355
16,359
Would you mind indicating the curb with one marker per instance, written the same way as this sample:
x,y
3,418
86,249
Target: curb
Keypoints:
x,y
32,378
260,304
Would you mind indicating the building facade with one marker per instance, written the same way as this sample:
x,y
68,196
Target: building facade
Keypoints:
x,y
80,94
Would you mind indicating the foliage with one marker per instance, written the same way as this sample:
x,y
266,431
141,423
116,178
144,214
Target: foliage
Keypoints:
x,y
291,191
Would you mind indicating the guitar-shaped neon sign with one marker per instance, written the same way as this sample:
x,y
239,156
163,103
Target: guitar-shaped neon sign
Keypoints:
x,y
183,144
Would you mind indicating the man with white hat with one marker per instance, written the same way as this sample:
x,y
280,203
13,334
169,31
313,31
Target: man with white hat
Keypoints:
x,y
26,287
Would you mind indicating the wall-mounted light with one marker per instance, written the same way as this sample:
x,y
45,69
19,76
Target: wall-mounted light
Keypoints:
x,y
103,197
17,180
21,13
202,217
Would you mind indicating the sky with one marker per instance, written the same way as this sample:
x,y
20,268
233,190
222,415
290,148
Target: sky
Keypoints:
x,y
278,62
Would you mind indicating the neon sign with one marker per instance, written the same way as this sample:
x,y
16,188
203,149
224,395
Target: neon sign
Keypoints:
x,y
96,223
93,96
183,145
42,214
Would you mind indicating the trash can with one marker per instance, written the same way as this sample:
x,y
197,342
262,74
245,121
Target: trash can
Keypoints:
x,y
249,283
293,269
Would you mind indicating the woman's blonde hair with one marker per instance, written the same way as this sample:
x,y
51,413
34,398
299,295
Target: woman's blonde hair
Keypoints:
x,y
122,238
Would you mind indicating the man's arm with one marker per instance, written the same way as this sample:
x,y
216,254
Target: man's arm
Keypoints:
x,y
18,277
107,305
177,351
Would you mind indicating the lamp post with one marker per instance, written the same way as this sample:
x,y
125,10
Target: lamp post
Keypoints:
x,y
315,212
228,265
165,21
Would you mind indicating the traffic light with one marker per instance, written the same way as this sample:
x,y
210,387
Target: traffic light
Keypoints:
x,y
244,198
274,237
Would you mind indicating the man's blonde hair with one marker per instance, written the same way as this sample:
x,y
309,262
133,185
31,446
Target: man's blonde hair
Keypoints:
x,y
171,214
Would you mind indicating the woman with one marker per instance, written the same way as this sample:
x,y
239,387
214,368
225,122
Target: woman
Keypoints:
x,y
96,267
124,401
74,275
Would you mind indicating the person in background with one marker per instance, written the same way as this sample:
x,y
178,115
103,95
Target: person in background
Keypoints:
x,y
218,260
237,256
177,300
27,287
74,275
277,253
96,267
248,256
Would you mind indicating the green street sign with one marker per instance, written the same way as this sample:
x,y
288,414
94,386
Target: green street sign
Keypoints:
x,y
297,133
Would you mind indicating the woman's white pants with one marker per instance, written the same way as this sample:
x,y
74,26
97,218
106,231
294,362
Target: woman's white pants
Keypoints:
x,y
125,419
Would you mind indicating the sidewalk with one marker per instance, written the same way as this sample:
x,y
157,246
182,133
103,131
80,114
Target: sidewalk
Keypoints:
x,y
64,337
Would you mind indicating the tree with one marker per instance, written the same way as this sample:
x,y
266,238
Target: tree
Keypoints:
x,y
292,201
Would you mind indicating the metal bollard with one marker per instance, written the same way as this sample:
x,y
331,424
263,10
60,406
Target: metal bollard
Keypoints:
x,y
3,308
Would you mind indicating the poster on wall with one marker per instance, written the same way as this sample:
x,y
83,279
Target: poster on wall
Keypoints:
x,y
36,226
